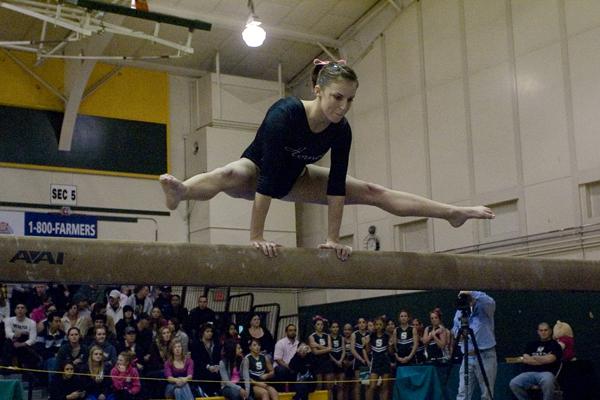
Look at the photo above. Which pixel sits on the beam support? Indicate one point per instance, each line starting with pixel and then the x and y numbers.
pixel 31 259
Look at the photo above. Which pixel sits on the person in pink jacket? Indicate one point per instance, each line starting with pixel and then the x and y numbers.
pixel 125 377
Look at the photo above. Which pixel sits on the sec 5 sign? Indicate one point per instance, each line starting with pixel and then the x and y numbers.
pixel 65 195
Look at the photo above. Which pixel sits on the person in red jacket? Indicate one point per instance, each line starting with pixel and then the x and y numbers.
pixel 125 377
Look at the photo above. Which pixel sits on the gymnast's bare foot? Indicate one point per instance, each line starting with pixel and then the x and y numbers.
pixel 460 215
pixel 174 190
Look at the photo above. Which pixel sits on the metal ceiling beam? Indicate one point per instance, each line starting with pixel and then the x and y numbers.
pixel 233 24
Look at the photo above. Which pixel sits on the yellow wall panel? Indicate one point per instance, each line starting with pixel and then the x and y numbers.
pixel 18 88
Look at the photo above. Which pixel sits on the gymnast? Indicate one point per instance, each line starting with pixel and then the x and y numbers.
pixel 279 164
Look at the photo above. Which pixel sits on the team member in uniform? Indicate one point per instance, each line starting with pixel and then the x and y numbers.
pixel 280 164
pixel 379 347
pixel 337 356
pixel 420 356
pixel 357 347
pixel 348 362
pixel 259 369
pixel 436 338
pixel 405 340
pixel 320 345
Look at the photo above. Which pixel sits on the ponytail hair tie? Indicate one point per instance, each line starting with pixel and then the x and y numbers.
pixel 316 61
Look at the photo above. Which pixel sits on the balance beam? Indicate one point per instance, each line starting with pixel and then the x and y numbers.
pixel 31 259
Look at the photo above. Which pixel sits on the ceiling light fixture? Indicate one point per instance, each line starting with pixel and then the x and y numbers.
pixel 254 35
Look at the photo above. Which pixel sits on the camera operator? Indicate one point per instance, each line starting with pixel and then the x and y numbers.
pixel 479 309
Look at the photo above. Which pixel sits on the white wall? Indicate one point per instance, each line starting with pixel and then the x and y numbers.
pixel 470 102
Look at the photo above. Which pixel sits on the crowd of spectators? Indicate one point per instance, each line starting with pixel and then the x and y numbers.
pixel 122 343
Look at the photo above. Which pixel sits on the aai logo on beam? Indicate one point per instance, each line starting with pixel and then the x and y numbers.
pixel 38 257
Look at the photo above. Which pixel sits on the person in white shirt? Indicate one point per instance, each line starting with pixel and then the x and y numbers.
pixel 285 349
pixel 114 308
pixel 23 333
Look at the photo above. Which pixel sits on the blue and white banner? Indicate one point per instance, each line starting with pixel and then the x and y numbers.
pixel 76 226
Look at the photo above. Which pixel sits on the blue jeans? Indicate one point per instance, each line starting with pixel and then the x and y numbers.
pixel 520 383
pixel 179 392
pixel 490 365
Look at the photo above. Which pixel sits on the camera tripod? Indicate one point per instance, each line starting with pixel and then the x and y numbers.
pixel 465 332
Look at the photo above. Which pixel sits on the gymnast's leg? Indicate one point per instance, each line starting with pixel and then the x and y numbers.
pixel 237 179
pixel 312 188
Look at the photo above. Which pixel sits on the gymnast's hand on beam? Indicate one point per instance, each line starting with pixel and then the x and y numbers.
pixel 268 247
pixel 342 251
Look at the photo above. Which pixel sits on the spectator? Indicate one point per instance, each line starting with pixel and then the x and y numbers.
pixel 231 333
pixel 23 333
pixel 179 370
pixel 255 330
pixel 348 362
pixel 73 351
pixel 49 341
pixel 144 334
pixel 100 341
pixel 163 299
pixel 259 370
pixel 357 346
pixel 200 316
pixel 114 308
pixel 234 385
pixel 96 373
pixel 157 320
pixel 90 294
pixel 129 344
pixel 320 347
pixel 155 362
pixel 542 360
pixel 74 319
pixel 378 346
pixel 481 320
pixel 303 363
pixel 285 349
pixel 68 385
pixel 127 320
pixel 420 356
pixel 125 377
pixel 337 356
pixel 6 350
pixel 99 321
pixel 178 311
pixel 4 303
pixel 405 340
pixel 436 338
pixel 178 334
pixel 140 301
pixel 206 353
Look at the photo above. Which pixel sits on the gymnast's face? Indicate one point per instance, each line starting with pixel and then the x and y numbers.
pixel 336 98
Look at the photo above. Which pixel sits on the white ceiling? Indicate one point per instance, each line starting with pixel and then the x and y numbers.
pixel 293 29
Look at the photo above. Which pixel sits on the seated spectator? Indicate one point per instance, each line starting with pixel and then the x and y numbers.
pixel 47 309
pixel 260 370
pixel 4 303
pixel 155 363
pixel 162 299
pixel 542 362
pixel 99 321
pixel 23 333
pixel 49 342
pixel 144 334
pixel 285 349
pixel 157 321
pixel 140 301
pixel 178 334
pixel 179 370
pixel 96 376
pixel 256 330
pixel 114 308
pixel 234 386
pixel 231 333
pixel 303 364
pixel 110 353
pixel 206 354
pixel 68 386
pixel 199 316
pixel 88 295
pixel 178 311
pixel 73 351
pixel 74 319
pixel 99 312
pixel 563 334
pixel 129 344
pixel 125 377
pixel 127 320
pixel 37 296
